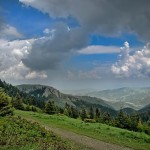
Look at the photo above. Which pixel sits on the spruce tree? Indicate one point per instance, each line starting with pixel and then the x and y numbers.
pixel 17 102
pixel 120 119
pixel 5 108
pixel 50 107
pixel 97 113
pixel 106 118
pixel 91 113
pixel 83 114
pixel 74 112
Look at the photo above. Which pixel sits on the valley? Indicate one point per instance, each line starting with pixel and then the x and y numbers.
pixel 87 121
pixel 89 135
pixel 74 75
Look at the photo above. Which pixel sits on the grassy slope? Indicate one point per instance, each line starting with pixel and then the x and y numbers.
pixel 139 141
pixel 19 134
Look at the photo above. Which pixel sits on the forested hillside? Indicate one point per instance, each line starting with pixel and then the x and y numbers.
pixel 84 108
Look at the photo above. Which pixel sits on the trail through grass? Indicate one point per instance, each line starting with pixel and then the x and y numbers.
pixel 135 140
pixel 19 134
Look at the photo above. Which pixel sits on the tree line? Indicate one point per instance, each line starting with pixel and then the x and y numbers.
pixel 91 115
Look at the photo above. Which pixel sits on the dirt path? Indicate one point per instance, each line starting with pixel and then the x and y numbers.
pixel 85 141
pixel 81 140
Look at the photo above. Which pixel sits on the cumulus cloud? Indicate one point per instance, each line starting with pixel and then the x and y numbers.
pixel 133 65
pixel 7 31
pixel 11 66
pixel 98 49
pixel 105 17
pixel 48 52
pixel 10 32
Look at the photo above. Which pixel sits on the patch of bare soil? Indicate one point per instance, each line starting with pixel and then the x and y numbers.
pixel 87 142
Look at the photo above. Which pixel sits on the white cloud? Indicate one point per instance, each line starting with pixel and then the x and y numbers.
pixel 98 49
pixel 46 31
pixel 11 66
pixel 135 65
pixel 34 75
pixel 9 32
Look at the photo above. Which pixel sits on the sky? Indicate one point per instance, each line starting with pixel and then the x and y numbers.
pixel 88 44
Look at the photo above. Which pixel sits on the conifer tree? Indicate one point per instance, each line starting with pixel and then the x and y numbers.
pixel 91 113
pixel 74 112
pixel 5 108
pixel 83 114
pixel 97 113
pixel 120 119
pixel 50 107
pixel 135 120
pixel 17 102
pixel 106 117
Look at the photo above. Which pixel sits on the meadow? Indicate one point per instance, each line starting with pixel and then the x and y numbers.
pixel 17 133
pixel 135 140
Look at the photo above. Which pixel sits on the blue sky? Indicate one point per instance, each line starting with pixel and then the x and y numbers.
pixel 78 46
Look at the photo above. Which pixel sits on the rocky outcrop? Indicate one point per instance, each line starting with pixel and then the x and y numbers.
pixel 45 91
pixel 51 91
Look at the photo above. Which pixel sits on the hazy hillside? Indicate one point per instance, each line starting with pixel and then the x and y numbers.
pixel 135 98
pixel 47 92
pixel 145 109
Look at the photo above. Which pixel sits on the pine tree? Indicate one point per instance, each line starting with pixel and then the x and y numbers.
pixel 97 113
pixel 5 108
pixel 135 120
pixel 106 118
pixel 83 114
pixel 74 112
pixel 91 113
pixel 50 107
pixel 17 102
pixel 120 119
pixel 66 112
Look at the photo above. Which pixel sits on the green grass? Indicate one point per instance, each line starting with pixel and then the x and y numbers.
pixel 135 140
pixel 19 134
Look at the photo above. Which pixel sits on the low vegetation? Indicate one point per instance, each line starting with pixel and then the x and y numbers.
pixel 123 129
pixel 19 134
pixel 135 140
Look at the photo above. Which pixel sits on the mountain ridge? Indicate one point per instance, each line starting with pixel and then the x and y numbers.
pixel 48 92
pixel 135 98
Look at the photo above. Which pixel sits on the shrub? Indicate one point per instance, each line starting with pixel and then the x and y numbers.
pixel 89 120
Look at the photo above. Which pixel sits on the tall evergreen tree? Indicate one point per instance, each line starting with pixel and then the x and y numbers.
pixel 83 114
pixel 74 112
pixel 120 119
pixel 5 108
pixel 91 113
pixel 17 102
pixel 50 107
pixel 135 120
pixel 106 118
pixel 97 113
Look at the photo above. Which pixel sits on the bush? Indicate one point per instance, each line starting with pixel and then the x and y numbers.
pixel 89 120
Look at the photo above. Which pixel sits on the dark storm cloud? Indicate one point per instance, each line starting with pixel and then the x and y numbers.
pixel 107 17
pixel 48 52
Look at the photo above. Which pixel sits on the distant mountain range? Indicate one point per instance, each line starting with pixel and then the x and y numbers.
pixel 50 93
pixel 145 109
pixel 129 98
pixel 135 98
